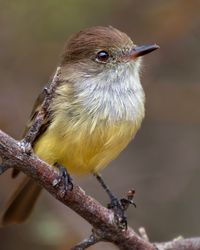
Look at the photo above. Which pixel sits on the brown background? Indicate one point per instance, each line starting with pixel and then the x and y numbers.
pixel 163 161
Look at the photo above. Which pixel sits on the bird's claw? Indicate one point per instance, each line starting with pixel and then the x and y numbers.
pixel 65 178
pixel 117 206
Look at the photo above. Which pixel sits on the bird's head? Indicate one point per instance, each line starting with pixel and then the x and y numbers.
pixel 98 49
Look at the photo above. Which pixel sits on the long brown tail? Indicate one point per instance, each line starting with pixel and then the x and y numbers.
pixel 21 203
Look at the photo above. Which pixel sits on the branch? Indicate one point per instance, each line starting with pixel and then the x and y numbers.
pixel 180 244
pixel 101 218
pixel 93 239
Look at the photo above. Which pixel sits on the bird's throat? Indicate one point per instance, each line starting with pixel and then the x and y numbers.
pixel 114 95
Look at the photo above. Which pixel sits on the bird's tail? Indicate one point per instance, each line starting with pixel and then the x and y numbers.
pixel 21 203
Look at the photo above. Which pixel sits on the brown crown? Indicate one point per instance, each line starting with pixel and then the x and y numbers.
pixel 87 42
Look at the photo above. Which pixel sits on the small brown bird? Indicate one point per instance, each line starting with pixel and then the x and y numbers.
pixel 96 111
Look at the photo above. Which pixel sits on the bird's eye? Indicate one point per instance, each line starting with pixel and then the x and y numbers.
pixel 102 56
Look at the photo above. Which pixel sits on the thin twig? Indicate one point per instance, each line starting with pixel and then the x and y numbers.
pixel 143 233
pixel 180 244
pixel 91 240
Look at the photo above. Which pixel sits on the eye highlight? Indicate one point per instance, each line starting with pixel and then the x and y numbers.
pixel 102 56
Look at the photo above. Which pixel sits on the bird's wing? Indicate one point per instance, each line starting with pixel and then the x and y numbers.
pixel 46 122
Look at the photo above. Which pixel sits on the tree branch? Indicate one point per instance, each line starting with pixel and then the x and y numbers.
pixel 91 240
pixel 180 244
pixel 101 218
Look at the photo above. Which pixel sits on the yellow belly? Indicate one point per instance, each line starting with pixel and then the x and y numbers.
pixel 81 150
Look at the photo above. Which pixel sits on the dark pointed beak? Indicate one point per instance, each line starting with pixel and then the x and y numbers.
pixel 142 50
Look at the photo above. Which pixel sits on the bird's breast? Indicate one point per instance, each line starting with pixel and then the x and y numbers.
pixel 82 149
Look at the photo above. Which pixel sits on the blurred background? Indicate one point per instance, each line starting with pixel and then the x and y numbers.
pixel 162 163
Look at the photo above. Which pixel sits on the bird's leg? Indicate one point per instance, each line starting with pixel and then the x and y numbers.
pixel 63 176
pixel 119 206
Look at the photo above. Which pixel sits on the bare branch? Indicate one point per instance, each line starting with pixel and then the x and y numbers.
pixel 91 240
pixel 143 233
pixel 180 244
pixel 98 216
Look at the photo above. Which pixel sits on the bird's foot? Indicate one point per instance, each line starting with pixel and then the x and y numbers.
pixel 63 177
pixel 119 212
pixel 119 207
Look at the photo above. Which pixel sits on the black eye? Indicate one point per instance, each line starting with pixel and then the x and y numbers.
pixel 102 56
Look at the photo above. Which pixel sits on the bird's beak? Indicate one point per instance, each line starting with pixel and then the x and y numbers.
pixel 138 51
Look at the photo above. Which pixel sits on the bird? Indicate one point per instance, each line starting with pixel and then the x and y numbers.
pixel 96 110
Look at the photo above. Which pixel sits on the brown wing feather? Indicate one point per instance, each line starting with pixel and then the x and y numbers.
pixel 35 110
